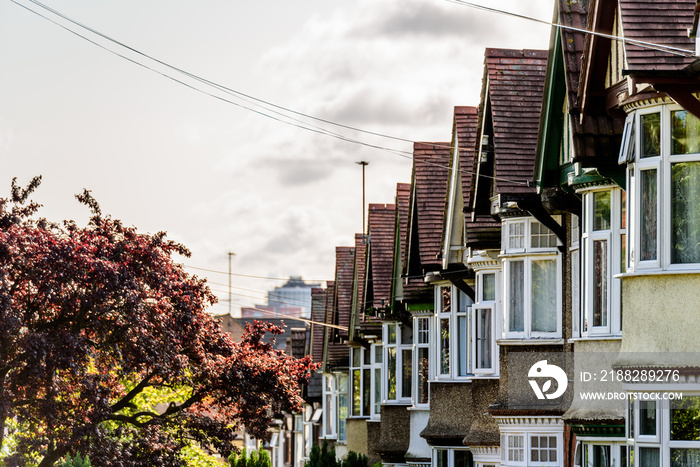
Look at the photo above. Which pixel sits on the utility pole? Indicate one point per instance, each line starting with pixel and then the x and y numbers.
pixel 230 254
pixel 363 164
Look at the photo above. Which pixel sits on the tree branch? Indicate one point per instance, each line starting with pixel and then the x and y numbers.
pixel 126 400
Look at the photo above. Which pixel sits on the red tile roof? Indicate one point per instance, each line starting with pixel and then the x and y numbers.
pixel 341 305
pixel 381 223
pixel 318 312
pixel 403 197
pixel 597 138
pixel 430 176
pixel 515 86
pixel 466 121
pixel 361 248
pixel 663 22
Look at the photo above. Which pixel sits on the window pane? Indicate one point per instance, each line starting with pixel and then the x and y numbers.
pixel 601 456
pixel 391 373
pixel 462 345
pixel 648 214
pixel 685 457
pixel 516 235
pixel 406 366
pixel 445 300
pixel 442 457
pixel 366 390
pixel 330 409
pixel 647 418
pixel 342 414
pixel 406 335
pixel 356 392
pixel 483 338
pixel 423 375
pixel 541 236
pixel 685 212
pixel 685 419
pixel 601 205
pixel 444 346
pixel 544 296
pixel 377 390
pixel 391 334
pixel 600 283
pixel 685 132
pixel 489 285
pixel 516 303
pixel 650 136
pixel 423 331
pixel 649 457
pixel 463 459
pixel 378 353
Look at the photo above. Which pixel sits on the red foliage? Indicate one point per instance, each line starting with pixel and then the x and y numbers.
pixel 83 311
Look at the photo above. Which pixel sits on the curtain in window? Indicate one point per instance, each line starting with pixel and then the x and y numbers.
pixel 516 308
pixel 685 212
pixel 544 296
pixel 648 215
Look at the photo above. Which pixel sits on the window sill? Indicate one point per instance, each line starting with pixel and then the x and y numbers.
pixel 420 408
pixel 657 272
pixel 573 340
pixel 532 341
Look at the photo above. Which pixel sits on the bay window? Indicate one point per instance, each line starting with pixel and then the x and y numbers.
pixel 599 454
pixel 532 270
pixel 365 371
pixel 603 238
pixel 664 182
pixel 665 432
pixel 485 324
pixel 421 324
pixel 531 449
pixel 452 457
pixel 335 405
pixel 452 333
pixel 398 358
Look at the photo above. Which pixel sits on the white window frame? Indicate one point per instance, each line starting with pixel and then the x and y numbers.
pixel 585 449
pixel 485 303
pixel 370 360
pixel 528 255
pixel 575 275
pixel 526 444
pixel 330 406
pixel 333 393
pixel 422 338
pixel 459 343
pixel 663 165
pixel 662 441
pixel 614 240
pixel 450 454
pixel 399 347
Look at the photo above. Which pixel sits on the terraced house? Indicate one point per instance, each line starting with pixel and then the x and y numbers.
pixel 548 251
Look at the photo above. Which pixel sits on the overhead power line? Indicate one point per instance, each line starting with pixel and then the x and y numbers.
pixel 644 44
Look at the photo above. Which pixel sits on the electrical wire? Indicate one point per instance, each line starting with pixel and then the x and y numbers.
pixel 299 124
pixel 644 44
pixel 243 96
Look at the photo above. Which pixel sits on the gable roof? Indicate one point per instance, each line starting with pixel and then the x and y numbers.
pixel 664 22
pixel 466 121
pixel 512 94
pixel 318 311
pixel 460 176
pixel 380 227
pixel 427 206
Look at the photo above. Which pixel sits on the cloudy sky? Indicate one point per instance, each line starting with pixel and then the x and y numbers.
pixel 217 177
